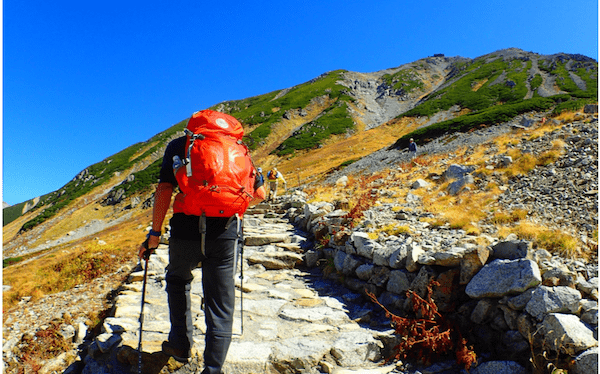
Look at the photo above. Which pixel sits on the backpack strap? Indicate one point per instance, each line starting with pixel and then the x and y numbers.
pixel 193 137
pixel 203 234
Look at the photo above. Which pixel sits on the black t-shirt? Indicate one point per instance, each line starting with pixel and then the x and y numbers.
pixel 184 226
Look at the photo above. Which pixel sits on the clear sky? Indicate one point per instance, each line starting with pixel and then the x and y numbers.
pixel 83 80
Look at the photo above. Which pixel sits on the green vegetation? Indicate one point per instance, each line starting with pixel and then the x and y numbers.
pixel 346 163
pixel 571 105
pixel 11 213
pixel 406 80
pixel 263 111
pixel 11 260
pixel 566 83
pixel 535 83
pixel 334 121
pixel 490 116
pixel 143 179
pixel 504 82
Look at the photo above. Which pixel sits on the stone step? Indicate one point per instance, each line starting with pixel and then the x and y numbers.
pixel 280 318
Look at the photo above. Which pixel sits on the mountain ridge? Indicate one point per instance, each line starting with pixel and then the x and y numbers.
pixel 343 103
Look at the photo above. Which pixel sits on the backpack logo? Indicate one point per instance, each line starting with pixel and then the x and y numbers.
pixel 218 180
pixel 222 123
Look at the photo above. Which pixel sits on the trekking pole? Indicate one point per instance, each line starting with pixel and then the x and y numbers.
pixel 240 235
pixel 146 257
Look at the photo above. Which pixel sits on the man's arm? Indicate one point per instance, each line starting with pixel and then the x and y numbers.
pixel 162 203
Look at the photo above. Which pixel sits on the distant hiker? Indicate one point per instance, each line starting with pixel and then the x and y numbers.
pixel 205 227
pixel 260 175
pixel 274 176
pixel 412 148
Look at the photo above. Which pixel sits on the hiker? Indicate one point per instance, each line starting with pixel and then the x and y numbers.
pixel 274 176
pixel 412 148
pixel 201 232
pixel 260 175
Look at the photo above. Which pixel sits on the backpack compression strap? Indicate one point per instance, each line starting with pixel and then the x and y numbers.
pixel 193 138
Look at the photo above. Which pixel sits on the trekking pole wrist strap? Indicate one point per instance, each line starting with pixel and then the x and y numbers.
pixel 154 233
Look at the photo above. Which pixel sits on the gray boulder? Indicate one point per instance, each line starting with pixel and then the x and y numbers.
pixel 457 172
pixel 364 245
pixel 567 334
pixel 499 367
pixel 398 282
pixel 512 250
pixel 504 277
pixel 558 299
pixel 586 362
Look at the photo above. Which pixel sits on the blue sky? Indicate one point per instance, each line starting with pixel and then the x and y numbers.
pixel 83 80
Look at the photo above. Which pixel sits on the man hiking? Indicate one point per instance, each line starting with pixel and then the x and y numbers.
pixel 205 227
pixel 274 176
pixel 412 148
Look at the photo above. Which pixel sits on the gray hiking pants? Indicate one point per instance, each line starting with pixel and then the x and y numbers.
pixel 218 269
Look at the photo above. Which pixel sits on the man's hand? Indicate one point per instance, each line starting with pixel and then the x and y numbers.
pixel 148 247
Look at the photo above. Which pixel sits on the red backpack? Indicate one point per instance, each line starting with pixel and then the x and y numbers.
pixel 218 177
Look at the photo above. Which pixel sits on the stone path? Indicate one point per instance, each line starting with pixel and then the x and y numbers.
pixel 291 317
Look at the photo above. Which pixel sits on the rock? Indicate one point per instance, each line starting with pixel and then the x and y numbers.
pixel 558 277
pixel 449 258
pixel 351 263
pixel 342 181
pixel 398 258
pixel 264 239
pixel 398 282
pixel 515 343
pixel 312 256
pixel 499 367
pixel 587 287
pixel 107 341
pixel 483 312
pixel 54 364
pixel 565 333
pixel 471 262
pixel 338 260
pixel 382 256
pixel 419 183
pixel 458 185
pixel 586 362
pixel 353 348
pixel 504 277
pixel 455 171
pixel 589 312
pixel 276 260
pixel 412 258
pixel 365 271
pixel 67 332
pixel 559 299
pixel 520 301
pixel 512 250
pixel 364 245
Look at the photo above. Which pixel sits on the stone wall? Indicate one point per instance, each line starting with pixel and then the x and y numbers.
pixel 508 299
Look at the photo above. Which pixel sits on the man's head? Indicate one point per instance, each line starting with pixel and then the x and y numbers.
pixel 411 140
pixel 259 170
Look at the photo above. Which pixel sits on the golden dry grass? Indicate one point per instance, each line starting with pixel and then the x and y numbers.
pixel 466 211
pixel 479 84
pixel 312 165
pixel 469 209
pixel 64 266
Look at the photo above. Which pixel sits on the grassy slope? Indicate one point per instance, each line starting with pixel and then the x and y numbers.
pixel 477 88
